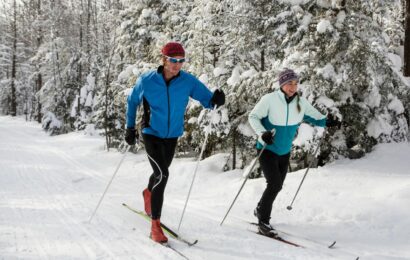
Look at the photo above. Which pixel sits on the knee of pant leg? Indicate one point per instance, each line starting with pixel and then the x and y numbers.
pixel 274 188
pixel 161 180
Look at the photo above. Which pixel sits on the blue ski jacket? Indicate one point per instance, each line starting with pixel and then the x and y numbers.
pixel 165 104
pixel 273 111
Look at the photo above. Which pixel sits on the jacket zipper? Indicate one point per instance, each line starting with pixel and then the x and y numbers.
pixel 287 114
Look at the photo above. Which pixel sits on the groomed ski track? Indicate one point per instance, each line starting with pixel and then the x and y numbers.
pixel 49 187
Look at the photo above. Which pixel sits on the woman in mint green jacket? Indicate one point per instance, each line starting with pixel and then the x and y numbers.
pixel 282 110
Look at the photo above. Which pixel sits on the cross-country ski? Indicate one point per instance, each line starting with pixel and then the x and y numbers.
pixel 169 231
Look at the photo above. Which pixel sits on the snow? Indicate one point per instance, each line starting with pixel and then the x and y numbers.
pixel 396 105
pixel 90 82
pixel 341 16
pixel 325 101
pixel 378 126
pixel 89 100
pixel 295 2
pixel 248 73
pixel 128 72
pixel 246 130
pixel 73 112
pixel 396 60
pixel 373 98
pixel 305 21
pixel 235 77
pixel 51 185
pixel 328 71
pixel 218 71
pixel 51 120
pixel 324 26
pixel 305 134
pixel 204 78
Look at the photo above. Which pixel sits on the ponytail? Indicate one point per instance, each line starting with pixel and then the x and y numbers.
pixel 298 103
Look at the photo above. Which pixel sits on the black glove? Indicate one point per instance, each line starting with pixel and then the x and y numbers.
pixel 131 136
pixel 268 137
pixel 333 121
pixel 218 98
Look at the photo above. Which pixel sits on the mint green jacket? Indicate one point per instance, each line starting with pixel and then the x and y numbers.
pixel 272 111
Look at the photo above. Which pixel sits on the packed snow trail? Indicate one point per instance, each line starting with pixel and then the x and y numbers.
pixel 49 187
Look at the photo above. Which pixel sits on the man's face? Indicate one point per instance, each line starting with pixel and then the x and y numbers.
pixel 172 65
pixel 290 88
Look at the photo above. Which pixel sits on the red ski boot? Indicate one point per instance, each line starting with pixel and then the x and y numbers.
pixel 147 201
pixel 156 232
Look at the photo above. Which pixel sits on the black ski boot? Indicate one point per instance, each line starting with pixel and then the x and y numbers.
pixel 263 226
pixel 266 229
pixel 256 213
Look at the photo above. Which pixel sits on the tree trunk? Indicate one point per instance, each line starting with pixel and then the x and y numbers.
pixel 13 101
pixel 88 39
pixel 263 60
pixel 39 81
pixel 80 67
pixel 234 136
pixel 406 71
pixel 107 98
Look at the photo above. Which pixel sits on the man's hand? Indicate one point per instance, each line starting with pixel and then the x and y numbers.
pixel 218 99
pixel 131 136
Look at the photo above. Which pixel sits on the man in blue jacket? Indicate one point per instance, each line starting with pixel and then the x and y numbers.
pixel 282 110
pixel 164 93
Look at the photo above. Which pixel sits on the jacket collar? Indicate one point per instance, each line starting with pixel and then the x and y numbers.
pixel 288 99
pixel 160 70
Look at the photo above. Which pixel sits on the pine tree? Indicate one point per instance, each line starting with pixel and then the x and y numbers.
pixel 407 41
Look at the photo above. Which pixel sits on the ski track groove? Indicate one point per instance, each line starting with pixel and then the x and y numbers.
pixel 51 201
pixel 69 221
pixel 45 186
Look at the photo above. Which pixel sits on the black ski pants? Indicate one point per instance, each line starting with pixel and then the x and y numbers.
pixel 160 154
pixel 274 169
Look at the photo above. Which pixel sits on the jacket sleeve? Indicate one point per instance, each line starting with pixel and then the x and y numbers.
pixel 260 111
pixel 312 115
pixel 201 93
pixel 133 101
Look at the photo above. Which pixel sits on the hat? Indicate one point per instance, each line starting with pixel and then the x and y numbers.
pixel 173 49
pixel 287 75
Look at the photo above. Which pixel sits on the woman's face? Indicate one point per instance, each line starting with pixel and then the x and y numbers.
pixel 290 88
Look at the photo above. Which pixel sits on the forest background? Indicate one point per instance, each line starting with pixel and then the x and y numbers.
pixel 70 65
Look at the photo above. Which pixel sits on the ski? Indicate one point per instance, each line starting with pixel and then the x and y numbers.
pixel 331 245
pixel 280 239
pixel 175 250
pixel 166 229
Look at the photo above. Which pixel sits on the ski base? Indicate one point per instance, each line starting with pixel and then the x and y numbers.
pixel 164 227
pixel 331 245
pixel 280 239
pixel 175 250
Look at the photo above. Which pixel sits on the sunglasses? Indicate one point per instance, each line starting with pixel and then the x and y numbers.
pixel 175 60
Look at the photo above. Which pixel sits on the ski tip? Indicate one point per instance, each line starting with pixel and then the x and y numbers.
pixel 124 204
pixel 332 245
pixel 193 243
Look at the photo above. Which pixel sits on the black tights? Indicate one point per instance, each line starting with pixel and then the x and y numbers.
pixel 274 169
pixel 160 154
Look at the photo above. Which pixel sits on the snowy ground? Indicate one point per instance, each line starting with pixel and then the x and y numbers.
pixel 49 187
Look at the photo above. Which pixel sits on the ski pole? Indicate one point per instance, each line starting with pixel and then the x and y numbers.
pixel 109 183
pixel 273 131
pixel 307 170
pixel 243 183
pixel 195 171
